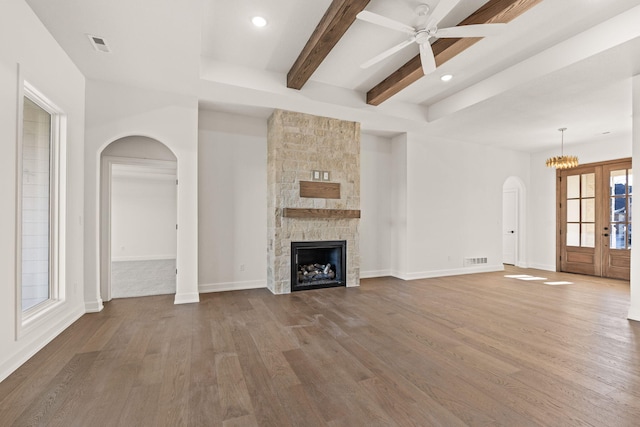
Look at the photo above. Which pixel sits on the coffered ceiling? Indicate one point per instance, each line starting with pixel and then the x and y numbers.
pixel 562 63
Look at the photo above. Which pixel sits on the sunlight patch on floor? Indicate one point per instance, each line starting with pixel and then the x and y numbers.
pixel 525 277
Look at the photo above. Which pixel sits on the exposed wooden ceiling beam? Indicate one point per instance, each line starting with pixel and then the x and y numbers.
pixel 493 12
pixel 335 22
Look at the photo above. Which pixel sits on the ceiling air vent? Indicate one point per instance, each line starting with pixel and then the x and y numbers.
pixel 99 44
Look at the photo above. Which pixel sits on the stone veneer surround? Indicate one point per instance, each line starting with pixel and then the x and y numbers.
pixel 298 144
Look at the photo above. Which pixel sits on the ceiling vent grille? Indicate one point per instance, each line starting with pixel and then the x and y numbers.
pixel 99 44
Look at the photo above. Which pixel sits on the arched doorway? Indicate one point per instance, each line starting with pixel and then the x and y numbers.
pixel 138 218
pixel 514 222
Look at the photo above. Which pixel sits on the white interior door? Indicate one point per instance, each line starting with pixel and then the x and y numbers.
pixel 509 226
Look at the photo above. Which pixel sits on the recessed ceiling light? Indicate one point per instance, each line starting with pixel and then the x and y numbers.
pixel 259 21
pixel 446 77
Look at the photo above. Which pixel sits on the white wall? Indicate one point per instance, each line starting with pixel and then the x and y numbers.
pixel 232 198
pixel 542 197
pixel 232 211
pixel 375 206
pixel 46 66
pixel 454 204
pixel 143 214
pixel 115 111
pixel 399 206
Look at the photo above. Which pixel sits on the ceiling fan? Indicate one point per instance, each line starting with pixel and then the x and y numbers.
pixel 426 29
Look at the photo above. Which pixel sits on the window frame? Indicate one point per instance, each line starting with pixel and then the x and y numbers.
pixel 38 315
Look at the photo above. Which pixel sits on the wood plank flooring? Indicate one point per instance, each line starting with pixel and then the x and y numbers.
pixel 474 350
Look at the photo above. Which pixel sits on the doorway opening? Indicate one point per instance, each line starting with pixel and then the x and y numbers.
pixel 138 217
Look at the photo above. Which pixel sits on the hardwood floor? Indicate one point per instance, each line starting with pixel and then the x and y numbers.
pixel 475 350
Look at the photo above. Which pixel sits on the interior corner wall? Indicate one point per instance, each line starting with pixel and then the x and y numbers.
pixel 454 193
pixel 27 44
pixel 114 111
pixel 399 208
pixel 232 208
pixel 376 206
pixel 542 196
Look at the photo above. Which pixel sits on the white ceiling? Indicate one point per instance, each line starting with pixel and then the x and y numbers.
pixel 564 63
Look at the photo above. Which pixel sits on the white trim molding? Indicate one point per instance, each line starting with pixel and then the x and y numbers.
pixel 450 272
pixel 375 273
pixel 187 298
pixel 545 267
pixel 232 286
pixel 93 306
pixel 634 314
pixel 143 258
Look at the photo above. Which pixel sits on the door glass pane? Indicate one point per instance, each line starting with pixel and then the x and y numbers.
pixel 573 234
pixel 573 210
pixel 618 236
pixel 629 237
pixel 588 185
pixel 618 209
pixel 588 210
pixel 588 236
pixel 618 182
pixel 36 183
pixel 630 180
pixel 573 186
pixel 629 213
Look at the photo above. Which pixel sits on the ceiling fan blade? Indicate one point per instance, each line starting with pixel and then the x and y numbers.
pixel 387 53
pixel 442 9
pixel 374 18
pixel 427 59
pixel 478 30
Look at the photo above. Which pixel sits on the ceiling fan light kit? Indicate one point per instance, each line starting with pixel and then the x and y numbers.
pixel 562 161
pixel 423 33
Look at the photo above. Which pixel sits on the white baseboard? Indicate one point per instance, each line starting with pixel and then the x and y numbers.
pixel 634 314
pixel 38 341
pixel 187 298
pixel 143 258
pixel 231 286
pixel 450 272
pixel 93 306
pixel 374 273
pixel 545 267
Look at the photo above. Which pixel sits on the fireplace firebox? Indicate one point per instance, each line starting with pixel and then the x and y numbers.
pixel 321 264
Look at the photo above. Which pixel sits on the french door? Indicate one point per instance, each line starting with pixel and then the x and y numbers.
pixel 594 219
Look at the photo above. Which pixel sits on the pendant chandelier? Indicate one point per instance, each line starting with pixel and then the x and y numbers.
pixel 562 161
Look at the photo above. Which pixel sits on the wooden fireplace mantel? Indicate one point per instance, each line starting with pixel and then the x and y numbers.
pixel 320 213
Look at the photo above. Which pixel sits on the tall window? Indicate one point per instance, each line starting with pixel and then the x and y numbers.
pixel 39 197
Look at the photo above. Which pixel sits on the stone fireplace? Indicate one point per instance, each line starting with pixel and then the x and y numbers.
pixel 313 179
